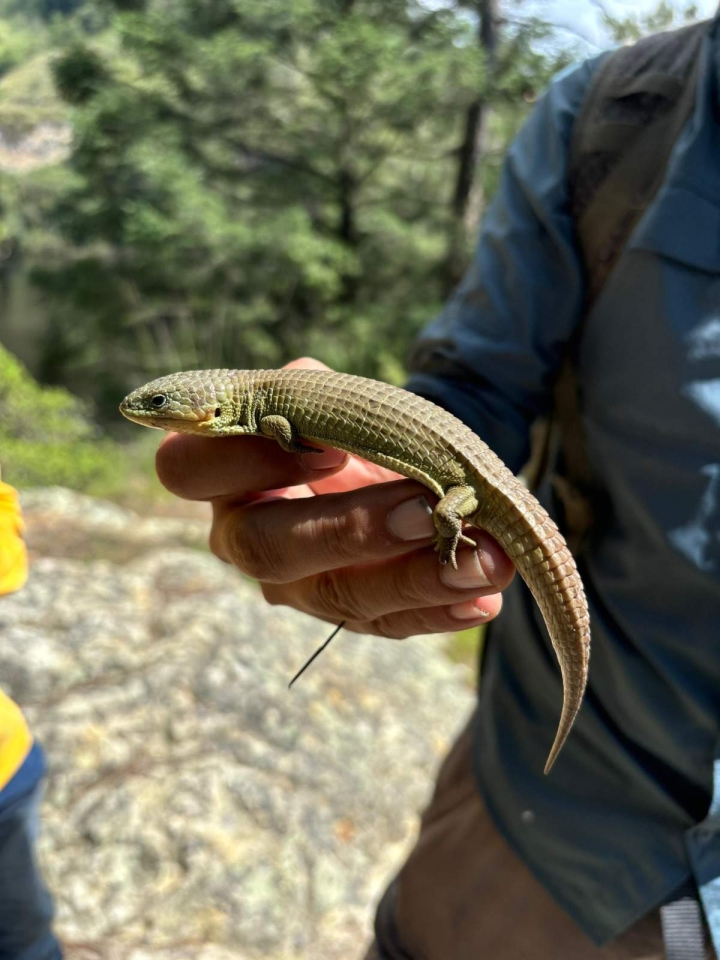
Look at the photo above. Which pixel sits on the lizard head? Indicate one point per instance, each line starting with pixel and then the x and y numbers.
pixel 181 402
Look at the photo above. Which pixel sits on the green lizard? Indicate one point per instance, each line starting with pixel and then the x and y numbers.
pixel 408 434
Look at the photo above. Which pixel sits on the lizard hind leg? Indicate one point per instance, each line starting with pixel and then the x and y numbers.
pixel 280 429
pixel 457 504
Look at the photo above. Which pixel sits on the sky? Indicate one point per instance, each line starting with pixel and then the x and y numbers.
pixel 583 16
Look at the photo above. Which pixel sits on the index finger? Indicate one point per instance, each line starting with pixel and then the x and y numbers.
pixel 203 468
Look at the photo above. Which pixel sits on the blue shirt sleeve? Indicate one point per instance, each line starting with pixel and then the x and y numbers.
pixel 491 355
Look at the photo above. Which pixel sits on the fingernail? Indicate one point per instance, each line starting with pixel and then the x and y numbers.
pixel 469 574
pixel 468 611
pixel 324 460
pixel 411 520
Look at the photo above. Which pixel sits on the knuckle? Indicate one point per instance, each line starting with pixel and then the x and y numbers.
pixel 250 549
pixel 343 534
pixel 334 596
pixel 411 591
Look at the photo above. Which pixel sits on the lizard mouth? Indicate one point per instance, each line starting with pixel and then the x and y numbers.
pixel 141 417
pixel 178 424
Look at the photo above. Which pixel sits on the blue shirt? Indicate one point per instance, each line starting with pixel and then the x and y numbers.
pixel 624 820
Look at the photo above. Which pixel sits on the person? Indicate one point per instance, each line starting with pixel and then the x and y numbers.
pixel 611 855
pixel 25 904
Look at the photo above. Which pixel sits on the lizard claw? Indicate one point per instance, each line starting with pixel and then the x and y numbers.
pixel 447 548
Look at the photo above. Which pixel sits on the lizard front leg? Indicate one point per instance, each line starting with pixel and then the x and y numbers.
pixel 457 504
pixel 280 429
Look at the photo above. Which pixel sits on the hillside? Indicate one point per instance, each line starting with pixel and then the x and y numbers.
pixel 34 123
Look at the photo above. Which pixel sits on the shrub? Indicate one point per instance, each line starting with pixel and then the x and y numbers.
pixel 46 437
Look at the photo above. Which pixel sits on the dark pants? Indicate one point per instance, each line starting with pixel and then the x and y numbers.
pixel 463 894
pixel 25 905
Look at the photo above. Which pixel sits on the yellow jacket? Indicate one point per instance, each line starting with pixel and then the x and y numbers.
pixel 15 738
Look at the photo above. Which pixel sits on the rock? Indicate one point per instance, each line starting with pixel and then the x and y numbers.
pixel 196 808
pixel 47 143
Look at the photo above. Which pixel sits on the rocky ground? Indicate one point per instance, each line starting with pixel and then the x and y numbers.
pixel 195 807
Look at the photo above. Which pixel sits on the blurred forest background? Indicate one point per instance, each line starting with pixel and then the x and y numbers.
pixel 191 183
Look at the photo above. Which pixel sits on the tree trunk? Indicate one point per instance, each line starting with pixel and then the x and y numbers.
pixel 347 230
pixel 468 154
pixel 347 188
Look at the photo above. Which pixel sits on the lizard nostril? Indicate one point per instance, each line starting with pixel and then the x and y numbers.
pixel 218 412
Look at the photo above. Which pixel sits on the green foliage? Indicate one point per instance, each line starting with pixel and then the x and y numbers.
pixel 28 98
pixel 128 6
pixel 41 9
pixel 251 180
pixel 465 647
pixel 26 205
pixel 664 17
pixel 258 180
pixel 46 437
pixel 265 178
pixel 17 43
pixel 79 75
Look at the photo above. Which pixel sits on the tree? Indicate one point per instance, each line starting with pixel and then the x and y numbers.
pixel 261 178
pixel 43 9
pixel 470 148
pixel 633 26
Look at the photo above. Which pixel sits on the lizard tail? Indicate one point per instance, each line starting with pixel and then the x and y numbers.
pixel 542 558
pixel 572 700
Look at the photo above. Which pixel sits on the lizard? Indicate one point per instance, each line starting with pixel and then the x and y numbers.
pixel 412 436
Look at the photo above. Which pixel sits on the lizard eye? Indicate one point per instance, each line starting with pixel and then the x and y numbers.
pixel 159 401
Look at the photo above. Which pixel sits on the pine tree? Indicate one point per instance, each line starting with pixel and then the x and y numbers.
pixel 263 178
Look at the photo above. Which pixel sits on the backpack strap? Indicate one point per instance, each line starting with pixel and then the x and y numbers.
pixel 637 106
pixel 683 930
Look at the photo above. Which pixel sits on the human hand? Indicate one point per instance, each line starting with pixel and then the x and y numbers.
pixel 334 536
